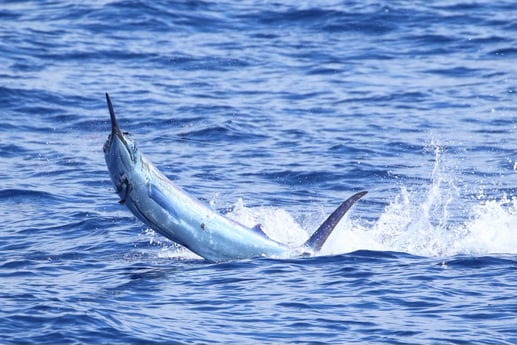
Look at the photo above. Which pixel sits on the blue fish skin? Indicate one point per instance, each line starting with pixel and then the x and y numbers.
pixel 167 209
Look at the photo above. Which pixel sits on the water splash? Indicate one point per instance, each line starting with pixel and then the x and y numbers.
pixel 493 229
pixel 277 223
pixel 429 222
pixel 432 220
pixel 406 226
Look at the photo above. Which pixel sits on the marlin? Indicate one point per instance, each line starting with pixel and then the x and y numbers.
pixel 170 211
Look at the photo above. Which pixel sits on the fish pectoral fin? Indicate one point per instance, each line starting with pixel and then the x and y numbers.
pixel 316 241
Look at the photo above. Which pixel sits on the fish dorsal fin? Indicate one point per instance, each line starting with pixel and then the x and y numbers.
pixel 259 230
pixel 318 238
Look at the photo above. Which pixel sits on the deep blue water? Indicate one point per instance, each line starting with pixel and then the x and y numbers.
pixel 273 113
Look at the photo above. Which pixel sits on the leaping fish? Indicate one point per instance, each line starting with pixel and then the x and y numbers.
pixel 167 209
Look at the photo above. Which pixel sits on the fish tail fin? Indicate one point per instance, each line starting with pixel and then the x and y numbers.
pixel 318 238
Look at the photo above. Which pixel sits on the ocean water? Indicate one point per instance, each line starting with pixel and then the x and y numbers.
pixel 273 113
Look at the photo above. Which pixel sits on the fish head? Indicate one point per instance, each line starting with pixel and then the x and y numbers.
pixel 121 155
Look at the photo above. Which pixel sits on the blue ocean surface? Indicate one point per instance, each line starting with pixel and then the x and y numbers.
pixel 272 113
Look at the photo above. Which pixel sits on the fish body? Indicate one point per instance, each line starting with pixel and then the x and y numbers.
pixel 166 208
